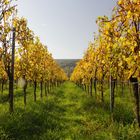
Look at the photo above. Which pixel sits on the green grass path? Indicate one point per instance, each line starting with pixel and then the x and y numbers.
pixel 65 114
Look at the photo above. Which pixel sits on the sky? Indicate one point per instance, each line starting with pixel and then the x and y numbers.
pixel 65 26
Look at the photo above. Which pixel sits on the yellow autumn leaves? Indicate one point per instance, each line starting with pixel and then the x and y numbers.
pixel 32 59
pixel 116 50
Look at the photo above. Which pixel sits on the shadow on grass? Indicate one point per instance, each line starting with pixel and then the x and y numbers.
pixel 47 119
pixel 4 98
pixel 122 114
pixel 37 121
pixel 17 94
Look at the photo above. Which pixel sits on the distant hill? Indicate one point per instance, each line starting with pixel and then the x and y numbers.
pixel 67 64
